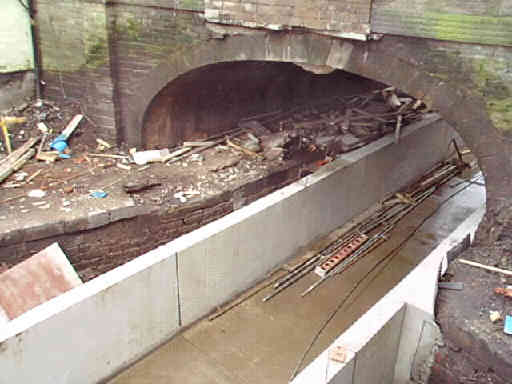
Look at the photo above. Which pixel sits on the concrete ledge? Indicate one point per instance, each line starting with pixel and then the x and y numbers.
pixel 372 340
pixel 111 321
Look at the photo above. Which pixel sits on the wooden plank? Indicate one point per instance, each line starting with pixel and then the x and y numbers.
pixel 472 21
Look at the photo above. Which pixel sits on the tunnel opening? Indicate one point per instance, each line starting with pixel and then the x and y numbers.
pixel 211 100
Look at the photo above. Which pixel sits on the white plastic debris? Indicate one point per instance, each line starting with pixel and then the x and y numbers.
pixel 20 176
pixel 37 193
pixel 144 157
pixel 180 196
pixel 494 316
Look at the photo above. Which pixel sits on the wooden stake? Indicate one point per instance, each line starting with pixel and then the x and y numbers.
pixel 398 128
pixel 34 175
pixel 486 267
pixel 17 158
pixel 7 140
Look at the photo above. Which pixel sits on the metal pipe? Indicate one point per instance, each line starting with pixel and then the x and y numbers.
pixel 35 51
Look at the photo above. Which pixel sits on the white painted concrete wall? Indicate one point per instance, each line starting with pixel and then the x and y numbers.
pixel 382 344
pixel 92 331
pixel 95 329
pixel 15 37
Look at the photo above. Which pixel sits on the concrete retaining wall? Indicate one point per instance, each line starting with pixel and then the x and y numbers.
pixel 94 330
pixel 393 341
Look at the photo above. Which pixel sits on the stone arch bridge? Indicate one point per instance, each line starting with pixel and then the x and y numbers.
pixel 117 56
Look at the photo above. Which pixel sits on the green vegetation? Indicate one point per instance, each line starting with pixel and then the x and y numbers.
pixel 496 90
pixel 470 28
pixel 96 52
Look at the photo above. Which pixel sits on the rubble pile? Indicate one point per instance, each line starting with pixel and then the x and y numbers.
pixel 53 155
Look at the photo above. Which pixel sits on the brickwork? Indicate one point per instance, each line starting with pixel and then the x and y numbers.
pixel 75 58
pixel 106 246
pixel 143 38
pixel 347 18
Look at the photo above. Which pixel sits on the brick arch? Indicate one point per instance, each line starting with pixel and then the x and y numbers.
pixel 402 62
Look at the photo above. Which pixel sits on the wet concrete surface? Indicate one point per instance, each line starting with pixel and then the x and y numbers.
pixel 260 342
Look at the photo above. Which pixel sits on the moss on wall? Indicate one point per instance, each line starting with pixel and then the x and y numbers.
pixel 73 35
pixel 177 32
pixel 460 22
pixel 489 75
pixel 470 28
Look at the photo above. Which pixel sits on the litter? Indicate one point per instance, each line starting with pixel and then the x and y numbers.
pixel 48 157
pixel 99 194
pixel 455 286
pixel 33 176
pixel 507 291
pixel 494 316
pixel 197 143
pixel 20 176
pixel 108 156
pixel 36 193
pixel 123 166
pixel 60 143
pixel 180 196
pixel 338 354
pixel 508 325
pixel 155 155
pixel 102 144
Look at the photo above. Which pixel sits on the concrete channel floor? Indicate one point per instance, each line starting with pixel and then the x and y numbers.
pixel 259 342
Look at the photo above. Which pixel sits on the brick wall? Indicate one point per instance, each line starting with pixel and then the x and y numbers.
pixel 96 53
pixel 96 251
pixel 75 57
pixel 338 18
pixel 143 38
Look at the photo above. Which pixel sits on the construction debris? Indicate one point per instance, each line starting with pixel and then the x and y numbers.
pixel 102 144
pixel 338 354
pixel 367 235
pixel 454 286
pixel 36 193
pixel 495 316
pixel 60 143
pixel 139 186
pixel 155 155
pixel 4 124
pixel 17 159
pixel 36 280
pixel 486 267
pixel 507 291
